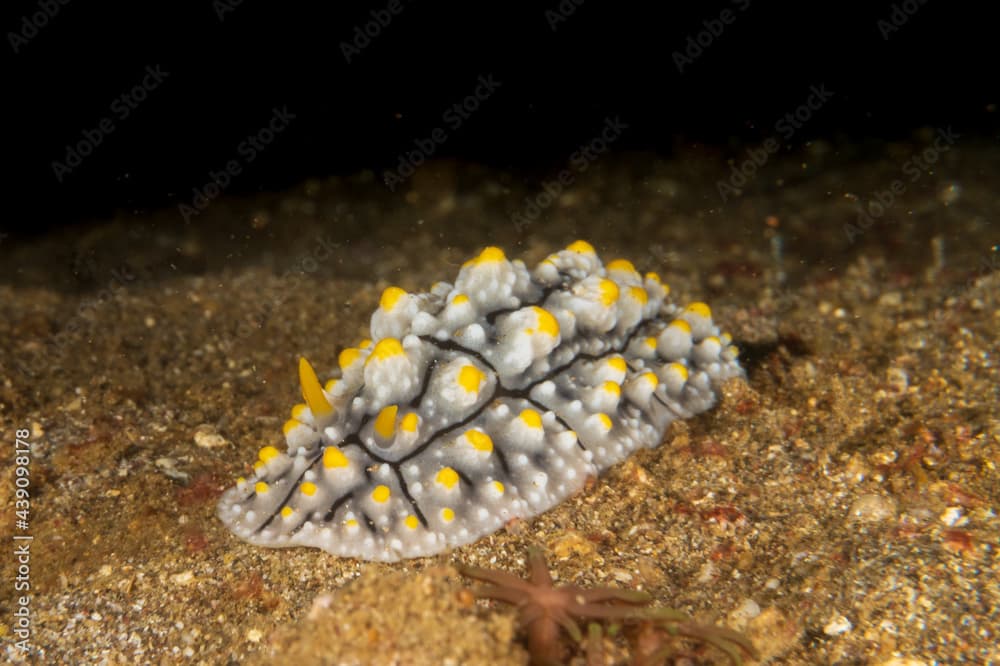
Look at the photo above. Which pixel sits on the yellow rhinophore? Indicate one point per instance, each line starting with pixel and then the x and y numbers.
pixel 312 391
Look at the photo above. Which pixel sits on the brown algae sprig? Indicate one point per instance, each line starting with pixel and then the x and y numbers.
pixel 545 608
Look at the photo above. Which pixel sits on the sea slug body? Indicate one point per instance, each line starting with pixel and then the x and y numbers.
pixel 490 399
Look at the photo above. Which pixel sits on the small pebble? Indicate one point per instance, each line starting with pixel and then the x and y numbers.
pixel 254 635
pixel 837 625
pixel 748 610
pixel 183 578
pixel 207 437
pixel 952 516
pixel 872 508
pixel 892 299
pixel 169 467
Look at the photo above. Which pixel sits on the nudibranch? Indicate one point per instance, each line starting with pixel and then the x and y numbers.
pixel 481 401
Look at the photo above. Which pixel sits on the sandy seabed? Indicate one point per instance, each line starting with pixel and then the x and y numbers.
pixel 839 506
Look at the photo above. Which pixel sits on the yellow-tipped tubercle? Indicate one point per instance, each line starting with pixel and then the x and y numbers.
pixel 470 377
pixel 385 349
pixel 700 309
pixel 609 292
pixel 581 246
pixel 390 297
pixel 385 422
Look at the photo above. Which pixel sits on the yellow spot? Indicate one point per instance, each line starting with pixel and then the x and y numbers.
pixel 298 410
pixel 605 421
pixel 390 297
pixel 259 465
pixel 381 494
pixel 350 523
pixel 385 422
pixel 409 423
pixel 334 457
pixel 287 511
pixel 490 254
pixel 460 299
pixel 714 339
pixel 447 515
pixel 638 294
pixel 681 324
pixel 680 369
pixel 612 388
pixel 621 265
pixel 411 522
pixel 470 377
pixel 480 440
pixel 290 425
pixel 650 342
pixel 386 348
pixel 312 392
pixel 348 357
pixel 581 246
pixel 609 292
pixel 617 363
pixel 654 277
pixel 651 378
pixel 268 453
pixel 498 487
pixel 365 342
pixel 531 418
pixel 240 480
pixel 735 350
pixel 308 488
pixel 447 477
pixel 726 338
pixel 546 322
pixel 260 488
pixel 699 309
